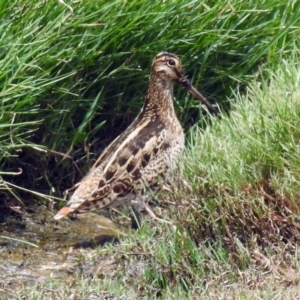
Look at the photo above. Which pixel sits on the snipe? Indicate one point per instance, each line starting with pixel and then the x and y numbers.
pixel 144 152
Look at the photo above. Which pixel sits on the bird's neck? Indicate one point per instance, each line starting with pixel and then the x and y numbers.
pixel 159 99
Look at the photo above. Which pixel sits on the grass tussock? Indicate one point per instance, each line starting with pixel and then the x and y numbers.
pixel 245 168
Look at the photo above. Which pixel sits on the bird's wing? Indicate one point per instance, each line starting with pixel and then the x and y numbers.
pixel 115 144
pixel 106 153
pixel 122 172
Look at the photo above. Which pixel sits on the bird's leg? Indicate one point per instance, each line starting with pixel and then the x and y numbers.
pixel 142 205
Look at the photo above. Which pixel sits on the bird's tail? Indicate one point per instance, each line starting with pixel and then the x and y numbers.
pixel 62 213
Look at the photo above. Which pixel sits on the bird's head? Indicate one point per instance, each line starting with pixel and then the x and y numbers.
pixel 167 66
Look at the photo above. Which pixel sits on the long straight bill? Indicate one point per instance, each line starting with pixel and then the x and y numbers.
pixel 187 84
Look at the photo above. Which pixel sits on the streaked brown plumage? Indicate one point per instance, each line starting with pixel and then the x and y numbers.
pixel 146 150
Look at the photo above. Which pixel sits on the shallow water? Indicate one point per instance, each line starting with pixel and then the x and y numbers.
pixel 60 248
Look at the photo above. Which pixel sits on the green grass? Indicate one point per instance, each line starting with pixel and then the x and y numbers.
pixel 71 80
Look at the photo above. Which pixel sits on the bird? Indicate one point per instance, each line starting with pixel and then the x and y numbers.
pixel 145 152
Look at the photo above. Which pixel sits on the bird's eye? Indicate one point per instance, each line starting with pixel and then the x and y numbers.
pixel 171 62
